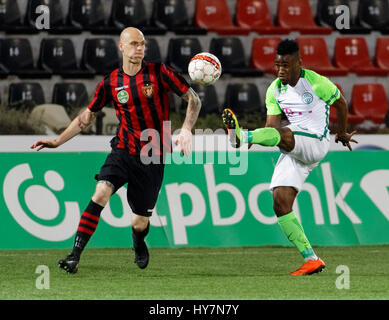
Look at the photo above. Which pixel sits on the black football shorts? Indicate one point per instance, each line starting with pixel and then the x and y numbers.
pixel 144 180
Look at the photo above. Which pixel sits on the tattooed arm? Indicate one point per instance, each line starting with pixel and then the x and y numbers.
pixel 192 112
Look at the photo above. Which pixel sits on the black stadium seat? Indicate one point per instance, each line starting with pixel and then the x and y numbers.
pixel 180 51
pixel 243 98
pixel 132 13
pixel 172 15
pixel 232 57
pixel 58 56
pixel 25 95
pixel 326 16
pixel 152 53
pixel 70 95
pixel 100 55
pixel 374 15
pixel 16 57
pixel 89 15
pixel 208 97
pixel 11 20
pixel 57 19
pixel 3 71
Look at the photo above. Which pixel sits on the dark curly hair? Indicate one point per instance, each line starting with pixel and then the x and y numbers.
pixel 287 46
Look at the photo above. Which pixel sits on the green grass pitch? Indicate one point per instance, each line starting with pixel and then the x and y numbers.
pixel 250 273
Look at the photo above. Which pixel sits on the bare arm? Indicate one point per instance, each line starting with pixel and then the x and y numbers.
pixel 192 112
pixel 193 109
pixel 342 135
pixel 82 121
pixel 273 121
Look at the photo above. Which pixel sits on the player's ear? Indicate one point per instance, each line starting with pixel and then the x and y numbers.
pixel 120 46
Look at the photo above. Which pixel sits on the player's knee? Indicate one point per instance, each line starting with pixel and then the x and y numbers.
pixel 282 204
pixel 102 194
pixel 287 139
pixel 139 223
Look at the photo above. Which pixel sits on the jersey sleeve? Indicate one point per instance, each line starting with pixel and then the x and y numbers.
pixel 100 98
pixel 272 106
pixel 173 80
pixel 323 87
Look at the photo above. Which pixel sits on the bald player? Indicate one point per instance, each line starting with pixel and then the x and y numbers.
pixel 139 91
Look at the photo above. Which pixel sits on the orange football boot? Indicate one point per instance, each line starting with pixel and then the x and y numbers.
pixel 309 267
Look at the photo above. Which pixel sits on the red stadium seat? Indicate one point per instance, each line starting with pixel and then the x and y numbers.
pixel 296 15
pixel 370 102
pixel 255 15
pixel 214 15
pixel 352 53
pixel 382 53
pixel 263 53
pixel 314 54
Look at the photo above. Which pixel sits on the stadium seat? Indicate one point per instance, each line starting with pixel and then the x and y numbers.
pixel 296 15
pixel 132 13
pixel 231 54
pixel 263 53
pixel 57 55
pixel 70 95
pixel 16 58
pixel 382 53
pixel 214 16
pixel 369 101
pixel 100 55
pixel 11 20
pixel 255 15
pixel 89 15
pixel 152 53
pixel 314 53
pixel 25 95
pixel 180 51
pixel 208 97
pixel 352 53
pixel 374 15
pixel 172 15
pixel 57 19
pixel 326 16
pixel 243 98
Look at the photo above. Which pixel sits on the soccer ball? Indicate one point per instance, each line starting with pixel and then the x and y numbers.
pixel 204 68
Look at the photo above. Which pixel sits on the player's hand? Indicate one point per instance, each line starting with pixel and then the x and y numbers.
pixel 40 144
pixel 184 139
pixel 345 138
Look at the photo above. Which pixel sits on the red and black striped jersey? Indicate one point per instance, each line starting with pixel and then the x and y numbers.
pixel 142 103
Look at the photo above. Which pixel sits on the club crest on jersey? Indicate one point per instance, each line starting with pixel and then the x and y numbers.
pixel 148 90
pixel 307 98
pixel 122 96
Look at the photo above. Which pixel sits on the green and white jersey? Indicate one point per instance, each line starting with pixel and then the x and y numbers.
pixel 306 105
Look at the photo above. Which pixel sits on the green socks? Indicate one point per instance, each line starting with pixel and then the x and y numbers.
pixel 268 137
pixel 295 234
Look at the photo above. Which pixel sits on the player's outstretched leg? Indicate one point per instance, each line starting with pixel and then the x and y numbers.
pixel 268 137
pixel 231 123
pixel 141 252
